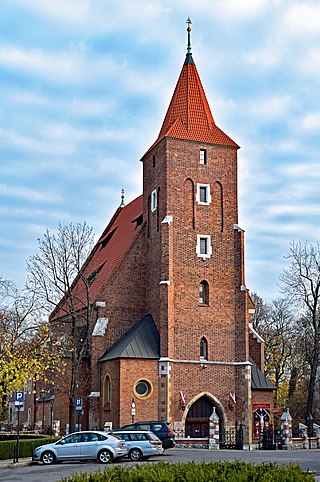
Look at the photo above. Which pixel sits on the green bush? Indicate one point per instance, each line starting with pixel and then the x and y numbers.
pixel 193 472
pixel 26 446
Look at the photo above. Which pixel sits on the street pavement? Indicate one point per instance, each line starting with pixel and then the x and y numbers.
pixel 24 469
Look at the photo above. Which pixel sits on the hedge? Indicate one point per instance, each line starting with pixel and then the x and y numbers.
pixel 192 472
pixel 26 446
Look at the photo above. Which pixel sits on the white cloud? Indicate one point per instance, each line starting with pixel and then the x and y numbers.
pixel 310 62
pixel 311 121
pixel 265 58
pixel 301 19
pixel 57 66
pixel 28 194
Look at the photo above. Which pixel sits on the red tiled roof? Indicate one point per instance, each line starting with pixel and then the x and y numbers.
pixel 109 251
pixel 189 116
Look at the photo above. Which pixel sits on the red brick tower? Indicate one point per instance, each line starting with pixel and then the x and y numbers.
pixel 195 287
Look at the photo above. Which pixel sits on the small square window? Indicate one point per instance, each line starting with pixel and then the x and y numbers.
pixel 203 156
pixel 204 248
pixel 154 200
pixel 203 194
pixel 203 245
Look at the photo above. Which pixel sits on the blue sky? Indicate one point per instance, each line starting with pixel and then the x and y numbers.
pixel 84 87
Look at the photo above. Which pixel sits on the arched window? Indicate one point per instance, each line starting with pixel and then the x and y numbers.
pixel 204 348
pixel 204 293
pixel 107 393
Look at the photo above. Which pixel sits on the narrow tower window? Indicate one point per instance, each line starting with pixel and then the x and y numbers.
pixel 154 200
pixel 204 293
pixel 203 194
pixel 204 248
pixel 204 348
pixel 203 156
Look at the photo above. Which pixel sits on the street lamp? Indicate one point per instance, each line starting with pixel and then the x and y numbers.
pixel 42 397
pixel 51 413
pixel 309 419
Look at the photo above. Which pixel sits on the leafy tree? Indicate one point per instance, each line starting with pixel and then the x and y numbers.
pixel 26 350
pixel 301 281
pixel 59 281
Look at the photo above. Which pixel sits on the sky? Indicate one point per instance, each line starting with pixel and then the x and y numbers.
pixel 84 88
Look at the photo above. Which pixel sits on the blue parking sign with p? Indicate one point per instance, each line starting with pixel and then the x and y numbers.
pixel 19 396
pixel 78 403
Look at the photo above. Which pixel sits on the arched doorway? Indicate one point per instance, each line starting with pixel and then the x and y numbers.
pixel 197 419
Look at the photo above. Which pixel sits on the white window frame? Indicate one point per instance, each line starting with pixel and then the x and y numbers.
pixel 208 195
pixel 203 156
pixel 209 247
pixel 153 200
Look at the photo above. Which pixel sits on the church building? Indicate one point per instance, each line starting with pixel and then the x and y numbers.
pixel 172 338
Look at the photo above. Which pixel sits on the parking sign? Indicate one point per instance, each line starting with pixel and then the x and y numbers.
pixel 78 403
pixel 19 396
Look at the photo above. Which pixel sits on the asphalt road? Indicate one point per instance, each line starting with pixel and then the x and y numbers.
pixel 307 459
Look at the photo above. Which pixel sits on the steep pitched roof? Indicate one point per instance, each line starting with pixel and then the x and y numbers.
pixel 141 341
pixel 113 244
pixel 189 116
pixel 258 380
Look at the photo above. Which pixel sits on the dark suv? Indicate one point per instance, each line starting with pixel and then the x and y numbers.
pixel 161 429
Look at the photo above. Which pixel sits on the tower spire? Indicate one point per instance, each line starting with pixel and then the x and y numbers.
pixel 188 22
pixel 189 59
pixel 122 198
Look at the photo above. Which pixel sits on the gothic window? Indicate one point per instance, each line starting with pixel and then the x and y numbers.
pixel 204 293
pixel 203 248
pixel 107 393
pixel 204 348
pixel 203 156
pixel 203 194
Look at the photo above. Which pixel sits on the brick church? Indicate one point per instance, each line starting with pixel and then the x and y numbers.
pixel 172 331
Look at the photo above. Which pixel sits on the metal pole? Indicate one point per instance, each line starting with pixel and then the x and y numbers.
pixel 51 416
pixel 16 458
pixel 42 412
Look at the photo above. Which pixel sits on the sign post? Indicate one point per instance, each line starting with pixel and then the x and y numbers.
pixel 19 405
pixel 79 410
pixel 133 409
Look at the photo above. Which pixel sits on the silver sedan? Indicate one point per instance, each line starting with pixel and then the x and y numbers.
pixel 90 445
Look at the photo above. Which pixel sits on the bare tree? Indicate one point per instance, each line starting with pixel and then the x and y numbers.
pixel 58 278
pixel 301 281
pixel 275 323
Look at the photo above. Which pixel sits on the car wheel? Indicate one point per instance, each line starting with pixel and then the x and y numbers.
pixel 48 458
pixel 135 455
pixel 105 456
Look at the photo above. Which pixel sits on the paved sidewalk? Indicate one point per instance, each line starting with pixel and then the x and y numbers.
pixel 23 462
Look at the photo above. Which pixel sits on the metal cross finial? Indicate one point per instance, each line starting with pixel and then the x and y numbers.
pixel 122 198
pixel 189 34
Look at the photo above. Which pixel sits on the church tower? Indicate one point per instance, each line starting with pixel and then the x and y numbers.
pixel 195 287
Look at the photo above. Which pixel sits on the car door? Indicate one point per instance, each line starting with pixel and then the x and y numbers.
pixel 69 447
pixel 89 445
